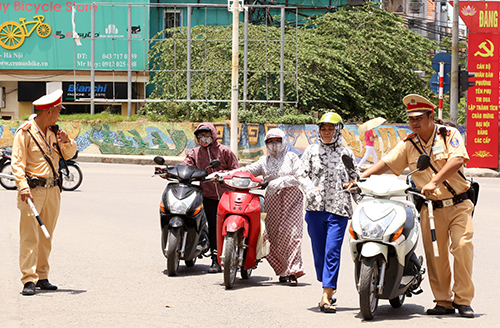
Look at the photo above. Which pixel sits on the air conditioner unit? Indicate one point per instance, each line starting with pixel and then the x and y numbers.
pixel 2 97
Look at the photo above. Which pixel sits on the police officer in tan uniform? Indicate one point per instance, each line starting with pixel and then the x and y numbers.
pixel 38 180
pixel 452 208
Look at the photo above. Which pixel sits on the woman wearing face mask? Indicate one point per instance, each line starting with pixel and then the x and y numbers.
pixel 211 149
pixel 283 205
pixel 328 208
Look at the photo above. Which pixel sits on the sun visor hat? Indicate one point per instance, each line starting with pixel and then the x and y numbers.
pixel 203 129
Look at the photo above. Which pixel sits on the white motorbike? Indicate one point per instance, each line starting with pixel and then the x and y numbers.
pixel 384 234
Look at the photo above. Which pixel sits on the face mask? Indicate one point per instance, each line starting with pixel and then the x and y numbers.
pixel 273 146
pixel 205 141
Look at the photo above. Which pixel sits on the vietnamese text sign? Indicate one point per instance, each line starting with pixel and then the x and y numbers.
pixel 482 19
pixel 39 35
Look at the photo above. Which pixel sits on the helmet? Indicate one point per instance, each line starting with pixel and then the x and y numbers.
pixel 203 129
pixel 332 118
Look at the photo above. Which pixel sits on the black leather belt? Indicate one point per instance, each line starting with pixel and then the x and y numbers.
pixel 34 182
pixel 450 201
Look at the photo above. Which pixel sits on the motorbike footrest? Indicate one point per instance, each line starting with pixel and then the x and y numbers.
pixel 417 292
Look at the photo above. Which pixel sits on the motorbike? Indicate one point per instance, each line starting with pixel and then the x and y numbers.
pixel 384 235
pixel 183 223
pixel 69 171
pixel 239 226
pixel 6 178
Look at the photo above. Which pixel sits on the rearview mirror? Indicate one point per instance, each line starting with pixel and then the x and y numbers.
pixel 214 163
pixel 159 160
pixel 423 162
pixel 347 160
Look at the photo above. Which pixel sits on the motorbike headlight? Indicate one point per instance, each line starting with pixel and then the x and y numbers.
pixel 179 206
pixel 374 229
pixel 241 183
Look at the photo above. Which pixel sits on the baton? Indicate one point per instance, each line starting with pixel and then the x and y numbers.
pixel 42 226
pixel 433 228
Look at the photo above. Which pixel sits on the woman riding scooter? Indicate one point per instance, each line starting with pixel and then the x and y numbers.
pixel 211 149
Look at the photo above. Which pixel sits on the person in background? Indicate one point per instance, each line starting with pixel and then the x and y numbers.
pixel 369 148
pixel 322 173
pixel 211 149
pixel 283 204
pixel 38 145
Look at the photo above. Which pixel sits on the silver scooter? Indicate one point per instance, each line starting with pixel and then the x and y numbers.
pixel 384 235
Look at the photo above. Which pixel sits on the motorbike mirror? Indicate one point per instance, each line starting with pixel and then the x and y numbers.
pixel 159 160
pixel 214 163
pixel 347 160
pixel 424 161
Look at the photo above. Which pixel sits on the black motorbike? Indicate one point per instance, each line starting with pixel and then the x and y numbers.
pixel 5 169
pixel 184 228
pixel 69 171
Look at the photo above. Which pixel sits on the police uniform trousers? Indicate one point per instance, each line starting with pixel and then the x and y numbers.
pixel 327 234
pixel 453 224
pixel 34 246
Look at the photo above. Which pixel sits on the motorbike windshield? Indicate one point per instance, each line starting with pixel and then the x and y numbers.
pixel 187 172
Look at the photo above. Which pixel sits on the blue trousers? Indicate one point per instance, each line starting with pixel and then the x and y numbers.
pixel 327 234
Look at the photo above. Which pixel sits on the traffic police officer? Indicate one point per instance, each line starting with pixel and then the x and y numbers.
pixel 452 208
pixel 35 144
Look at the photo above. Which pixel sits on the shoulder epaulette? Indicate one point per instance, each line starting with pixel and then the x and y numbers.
pixel 25 126
pixel 408 137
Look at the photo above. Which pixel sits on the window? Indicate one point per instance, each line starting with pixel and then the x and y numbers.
pixel 173 18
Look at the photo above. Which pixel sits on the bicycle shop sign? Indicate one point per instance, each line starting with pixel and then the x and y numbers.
pixel 39 35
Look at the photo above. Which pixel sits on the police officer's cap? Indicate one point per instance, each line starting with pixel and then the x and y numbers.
pixel 417 105
pixel 51 100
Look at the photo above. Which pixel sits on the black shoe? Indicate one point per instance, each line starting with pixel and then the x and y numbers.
pixel 28 289
pixel 283 279
pixel 215 267
pixel 45 284
pixel 464 310
pixel 440 310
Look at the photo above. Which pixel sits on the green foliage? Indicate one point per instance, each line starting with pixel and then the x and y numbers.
pixel 358 61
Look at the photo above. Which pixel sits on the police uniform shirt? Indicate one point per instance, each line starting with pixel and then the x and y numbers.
pixel 406 155
pixel 27 159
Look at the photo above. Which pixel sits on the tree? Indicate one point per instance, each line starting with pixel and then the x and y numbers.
pixel 358 61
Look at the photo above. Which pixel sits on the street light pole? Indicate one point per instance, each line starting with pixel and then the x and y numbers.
pixel 454 92
pixel 235 8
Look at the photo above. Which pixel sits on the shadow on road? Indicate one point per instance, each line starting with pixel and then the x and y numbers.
pixel 67 291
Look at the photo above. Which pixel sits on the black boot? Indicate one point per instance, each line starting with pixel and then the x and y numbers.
pixel 215 267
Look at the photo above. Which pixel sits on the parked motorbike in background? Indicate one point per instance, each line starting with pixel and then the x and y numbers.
pixel 182 218
pixel 384 235
pixel 70 173
pixel 239 226
pixel 5 169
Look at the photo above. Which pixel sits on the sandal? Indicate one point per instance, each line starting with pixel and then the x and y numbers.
pixel 327 308
pixel 283 279
pixel 293 280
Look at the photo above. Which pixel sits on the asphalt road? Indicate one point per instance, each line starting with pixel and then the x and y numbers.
pixel 108 264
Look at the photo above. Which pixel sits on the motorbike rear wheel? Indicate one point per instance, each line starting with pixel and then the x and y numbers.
pixel 174 245
pixel 7 183
pixel 231 246
pixel 397 302
pixel 245 274
pixel 190 263
pixel 71 179
pixel 368 293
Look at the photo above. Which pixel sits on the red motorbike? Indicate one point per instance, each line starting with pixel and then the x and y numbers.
pixel 238 226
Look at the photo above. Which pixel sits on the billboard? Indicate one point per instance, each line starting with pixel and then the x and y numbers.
pixel 39 35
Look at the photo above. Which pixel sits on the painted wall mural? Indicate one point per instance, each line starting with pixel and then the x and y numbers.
pixel 177 139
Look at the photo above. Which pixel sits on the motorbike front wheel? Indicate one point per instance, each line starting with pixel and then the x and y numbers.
pixel 231 242
pixel 368 294
pixel 174 245
pixel 7 183
pixel 72 178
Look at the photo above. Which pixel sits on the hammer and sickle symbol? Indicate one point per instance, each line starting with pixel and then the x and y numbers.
pixel 489 52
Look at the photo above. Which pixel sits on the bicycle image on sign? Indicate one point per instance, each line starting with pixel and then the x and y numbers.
pixel 12 34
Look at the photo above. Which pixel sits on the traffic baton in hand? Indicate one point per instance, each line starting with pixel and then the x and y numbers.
pixel 42 226
pixel 433 228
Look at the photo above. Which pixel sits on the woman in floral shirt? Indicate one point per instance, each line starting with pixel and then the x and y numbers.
pixel 328 207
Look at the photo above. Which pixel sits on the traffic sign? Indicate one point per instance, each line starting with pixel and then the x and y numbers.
pixel 435 83
pixel 442 57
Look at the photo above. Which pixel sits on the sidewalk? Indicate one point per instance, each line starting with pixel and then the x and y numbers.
pixel 174 160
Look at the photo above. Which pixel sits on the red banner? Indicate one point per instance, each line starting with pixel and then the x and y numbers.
pixel 482 101
pixel 482 19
